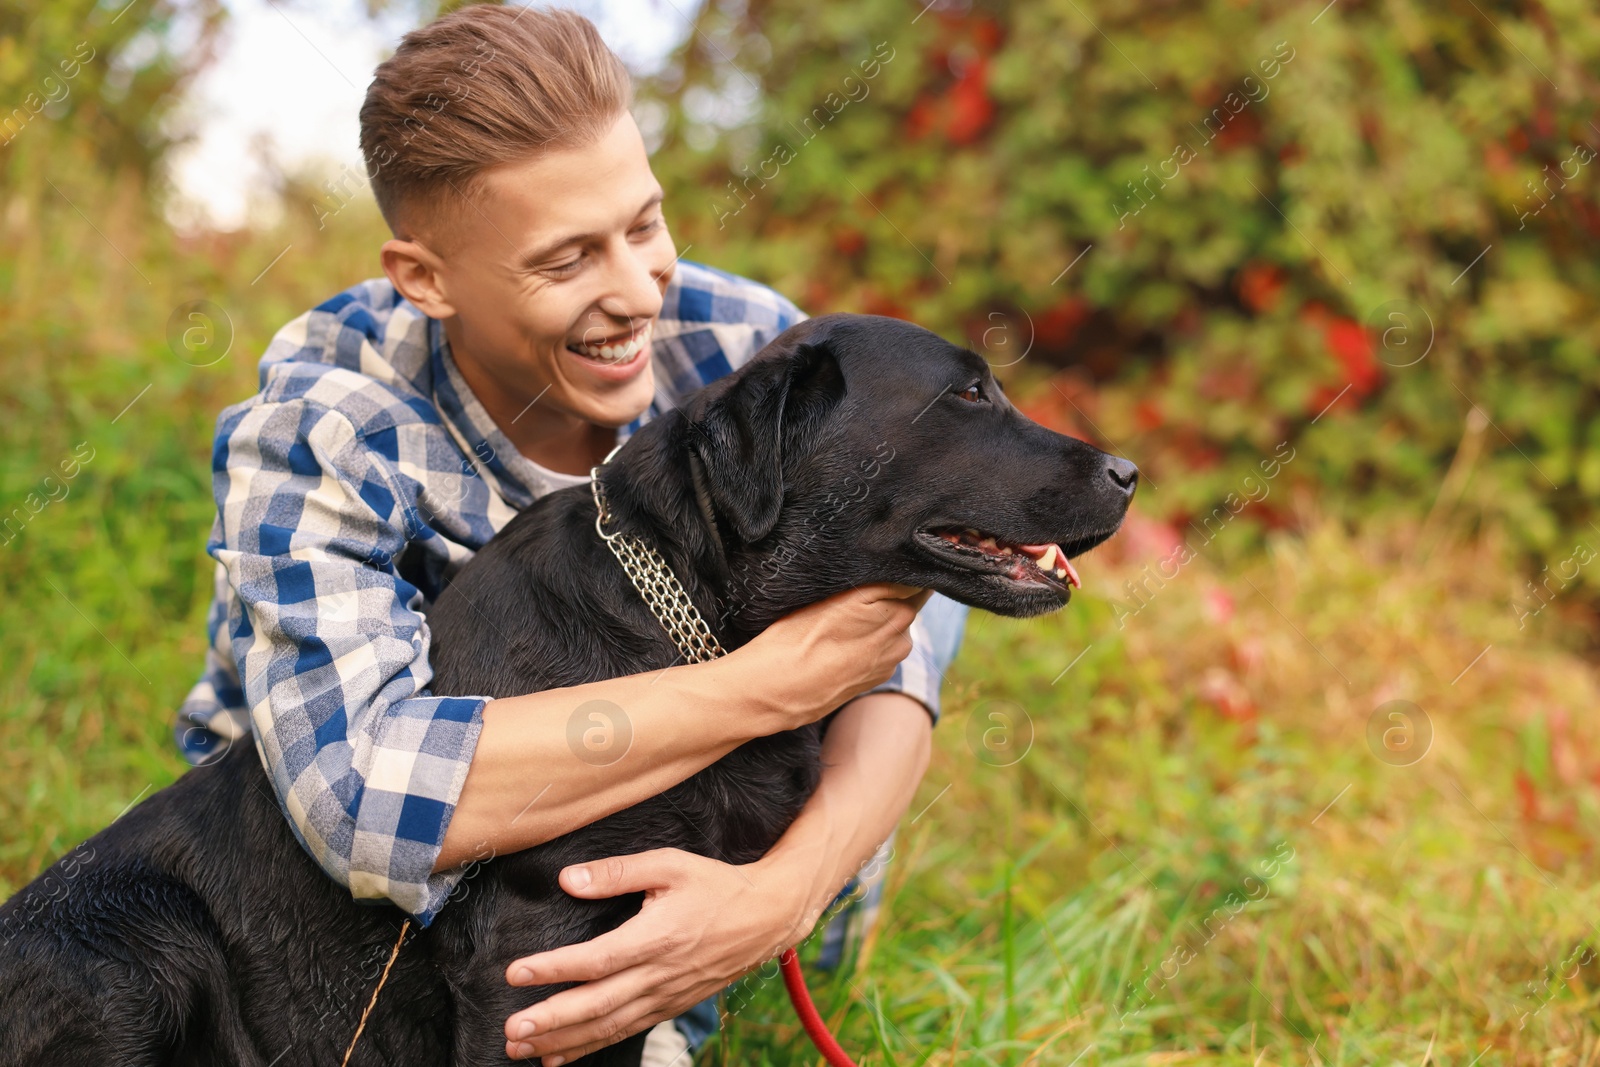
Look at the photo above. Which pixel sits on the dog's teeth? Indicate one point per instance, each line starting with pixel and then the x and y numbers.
pixel 1006 550
pixel 989 542
pixel 1047 562
pixel 1060 572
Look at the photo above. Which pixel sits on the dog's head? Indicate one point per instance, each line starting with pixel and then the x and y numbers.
pixel 857 448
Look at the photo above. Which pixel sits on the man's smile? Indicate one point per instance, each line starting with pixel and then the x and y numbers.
pixel 619 350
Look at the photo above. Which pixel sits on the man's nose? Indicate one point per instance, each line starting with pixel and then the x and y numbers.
pixel 1122 474
pixel 635 289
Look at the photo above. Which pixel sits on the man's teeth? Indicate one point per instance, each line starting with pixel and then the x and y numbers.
pixel 619 352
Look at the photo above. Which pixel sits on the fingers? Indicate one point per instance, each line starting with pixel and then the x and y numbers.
pixel 629 944
pixel 579 1021
pixel 616 875
pixel 898 604
pixel 636 941
pixel 642 938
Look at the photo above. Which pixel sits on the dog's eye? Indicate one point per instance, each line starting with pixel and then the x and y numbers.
pixel 972 393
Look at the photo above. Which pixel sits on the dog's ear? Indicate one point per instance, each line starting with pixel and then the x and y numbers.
pixel 771 409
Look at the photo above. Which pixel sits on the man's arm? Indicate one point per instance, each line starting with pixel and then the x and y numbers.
pixel 527 785
pixel 874 757
pixel 332 650
pixel 705 923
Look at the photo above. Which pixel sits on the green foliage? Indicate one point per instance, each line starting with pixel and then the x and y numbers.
pixel 1427 908
pixel 86 86
pixel 108 408
pixel 1278 208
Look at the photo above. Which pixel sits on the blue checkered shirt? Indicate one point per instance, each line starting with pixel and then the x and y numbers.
pixel 349 491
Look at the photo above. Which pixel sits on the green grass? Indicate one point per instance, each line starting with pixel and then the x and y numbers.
pixel 106 588
pixel 1058 907
pixel 1034 901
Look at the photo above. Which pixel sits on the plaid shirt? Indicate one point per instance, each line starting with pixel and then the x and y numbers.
pixel 349 491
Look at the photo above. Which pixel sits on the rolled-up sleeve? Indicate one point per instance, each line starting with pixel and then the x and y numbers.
pixel 935 639
pixel 332 650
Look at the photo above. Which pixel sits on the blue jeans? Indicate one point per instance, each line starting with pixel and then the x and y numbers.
pixel 945 621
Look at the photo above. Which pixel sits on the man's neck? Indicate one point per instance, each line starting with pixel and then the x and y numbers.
pixel 575 451
pixel 553 439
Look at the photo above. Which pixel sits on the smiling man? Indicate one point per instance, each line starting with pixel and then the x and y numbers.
pixel 533 314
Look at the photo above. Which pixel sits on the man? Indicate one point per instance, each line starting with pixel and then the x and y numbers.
pixel 533 314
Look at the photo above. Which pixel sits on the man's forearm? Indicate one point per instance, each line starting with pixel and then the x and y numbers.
pixel 544 765
pixel 874 756
pixel 533 777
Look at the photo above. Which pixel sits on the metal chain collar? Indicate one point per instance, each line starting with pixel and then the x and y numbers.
pixel 662 593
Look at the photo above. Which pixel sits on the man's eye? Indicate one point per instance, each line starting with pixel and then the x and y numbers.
pixel 562 270
pixel 650 227
pixel 973 393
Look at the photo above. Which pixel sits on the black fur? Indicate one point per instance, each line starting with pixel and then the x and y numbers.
pixel 194 930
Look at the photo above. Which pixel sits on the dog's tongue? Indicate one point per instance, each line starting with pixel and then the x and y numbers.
pixel 1050 556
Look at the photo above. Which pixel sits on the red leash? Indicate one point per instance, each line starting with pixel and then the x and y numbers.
pixel 800 996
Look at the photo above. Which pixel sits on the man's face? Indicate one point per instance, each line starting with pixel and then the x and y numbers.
pixel 555 273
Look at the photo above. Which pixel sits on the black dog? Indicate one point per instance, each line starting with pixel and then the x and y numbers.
pixel 853 449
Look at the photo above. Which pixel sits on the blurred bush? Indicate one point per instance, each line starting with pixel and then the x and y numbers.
pixel 1210 225
pixel 110 393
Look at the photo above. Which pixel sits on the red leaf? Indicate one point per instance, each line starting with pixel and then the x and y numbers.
pixel 970 107
pixel 1057 326
pixel 1245 129
pixel 1260 285
pixel 1351 345
pixel 1147 415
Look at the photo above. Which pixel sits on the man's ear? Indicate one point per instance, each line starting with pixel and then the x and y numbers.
pixel 414 270
pixel 772 408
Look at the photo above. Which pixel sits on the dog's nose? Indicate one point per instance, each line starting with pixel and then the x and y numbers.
pixel 1123 474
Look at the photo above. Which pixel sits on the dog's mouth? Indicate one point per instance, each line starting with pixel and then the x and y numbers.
pixel 1046 564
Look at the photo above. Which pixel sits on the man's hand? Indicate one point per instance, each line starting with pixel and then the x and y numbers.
pixel 813 660
pixel 703 924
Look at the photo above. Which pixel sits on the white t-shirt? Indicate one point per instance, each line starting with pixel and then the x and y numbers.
pixel 557 480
